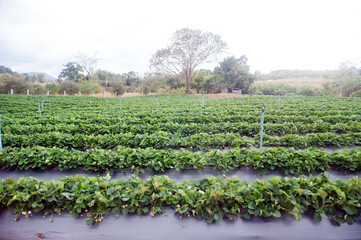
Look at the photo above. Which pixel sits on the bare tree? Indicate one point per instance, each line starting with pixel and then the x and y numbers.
pixel 87 63
pixel 188 49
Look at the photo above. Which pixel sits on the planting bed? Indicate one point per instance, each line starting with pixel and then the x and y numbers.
pixel 193 159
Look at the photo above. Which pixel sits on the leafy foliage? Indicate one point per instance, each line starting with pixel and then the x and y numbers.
pixel 234 73
pixel 290 161
pixel 189 48
pixel 72 71
pixel 210 198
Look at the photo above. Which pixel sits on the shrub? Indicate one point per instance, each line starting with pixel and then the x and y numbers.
pixel 88 87
pixel 306 91
pixel 70 87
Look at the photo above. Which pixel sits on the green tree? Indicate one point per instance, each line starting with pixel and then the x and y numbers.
pixel 18 84
pixel 154 83
pixel 174 82
pixel 88 87
pixel 234 73
pixel 118 87
pixel 103 77
pixel 188 49
pixel 348 79
pixel 131 79
pixel 203 81
pixel 53 88
pixel 72 71
pixel 37 89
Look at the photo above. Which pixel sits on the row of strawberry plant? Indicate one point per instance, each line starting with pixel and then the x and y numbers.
pixel 312 140
pixel 99 160
pixel 210 198
pixel 167 140
pixel 241 128
pixel 182 117
pixel 157 140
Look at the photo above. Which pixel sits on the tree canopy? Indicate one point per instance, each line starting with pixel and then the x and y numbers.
pixel 234 73
pixel 72 71
pixel 188 49
pixel 348 78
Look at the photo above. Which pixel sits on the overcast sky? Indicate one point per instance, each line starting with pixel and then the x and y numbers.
pixel 41 35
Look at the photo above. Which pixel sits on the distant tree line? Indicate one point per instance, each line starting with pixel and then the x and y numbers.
pixel 231 73
pixel 343 82
pixel 177 71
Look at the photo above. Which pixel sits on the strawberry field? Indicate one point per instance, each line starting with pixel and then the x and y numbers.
pixel 149 138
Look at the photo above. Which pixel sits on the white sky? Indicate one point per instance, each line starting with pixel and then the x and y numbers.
pixel 41 35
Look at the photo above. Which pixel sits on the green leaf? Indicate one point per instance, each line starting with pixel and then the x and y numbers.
pixel 246 215
pixel 181 192
pixel 322 193
pixel 296 212
pixel 349 219
pixel 350 210
pixel 317 217
pixel 251 205
pixel 145 209
pixel 9 181
pixel 217 217
pixel 68 195
pixel 90 220
pixel 277 214
pixel 337 220
pixel 125 211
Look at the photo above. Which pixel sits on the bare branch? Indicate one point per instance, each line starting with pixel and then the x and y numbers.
pixel 188 49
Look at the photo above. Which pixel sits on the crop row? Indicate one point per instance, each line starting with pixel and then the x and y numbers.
pixel 81 117
pixel 99 160
pixel 210 198
pixel 163 140
pixel 185 129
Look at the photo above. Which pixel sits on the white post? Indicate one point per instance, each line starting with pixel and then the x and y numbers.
pixel 27 92
pixel 64 93
pixel 80 93
pixel 47 93
pixel 11 91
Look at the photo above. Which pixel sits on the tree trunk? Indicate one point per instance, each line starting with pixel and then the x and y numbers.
pixel 188 83
pixel 188 80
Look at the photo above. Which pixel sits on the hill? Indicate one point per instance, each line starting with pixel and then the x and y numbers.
pixel 314 82
pixel 47 77
pixel 296 78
